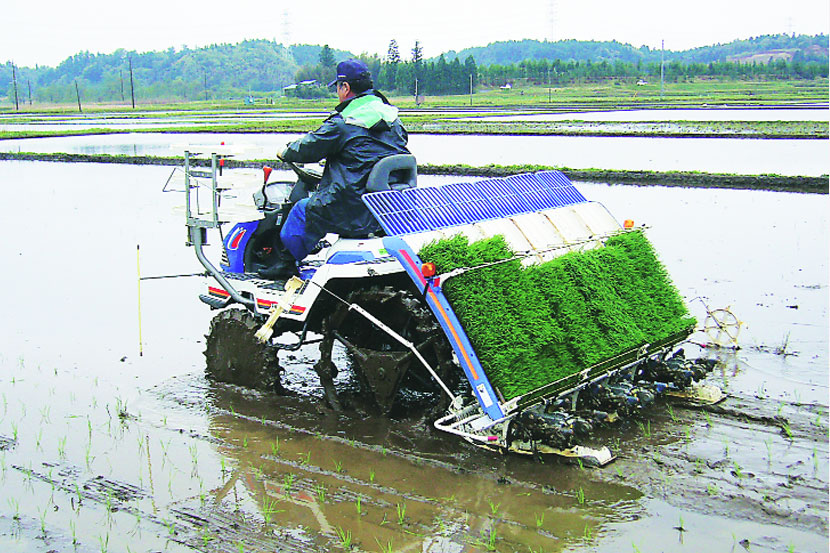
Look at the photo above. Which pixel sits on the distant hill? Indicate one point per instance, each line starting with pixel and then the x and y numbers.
pixel 219 70
pixel 762 48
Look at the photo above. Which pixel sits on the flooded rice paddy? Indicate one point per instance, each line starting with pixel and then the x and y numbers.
pixel 796 157
pixel 112 440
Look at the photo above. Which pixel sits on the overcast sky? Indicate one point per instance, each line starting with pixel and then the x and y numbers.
pixel 46 33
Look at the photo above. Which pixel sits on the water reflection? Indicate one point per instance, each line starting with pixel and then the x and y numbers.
pixel 437 496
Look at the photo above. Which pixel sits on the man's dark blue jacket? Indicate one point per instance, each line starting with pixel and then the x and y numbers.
pixel 361 131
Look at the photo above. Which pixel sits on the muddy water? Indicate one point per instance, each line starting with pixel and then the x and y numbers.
pixel 117 451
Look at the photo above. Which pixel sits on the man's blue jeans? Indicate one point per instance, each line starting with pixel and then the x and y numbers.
pixel 293 234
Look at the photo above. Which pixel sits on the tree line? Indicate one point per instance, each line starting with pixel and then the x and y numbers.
pixel 264 68
pixel 558 72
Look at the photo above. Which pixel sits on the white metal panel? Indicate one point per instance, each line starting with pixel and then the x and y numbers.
pixel 597 217
pixel 512 235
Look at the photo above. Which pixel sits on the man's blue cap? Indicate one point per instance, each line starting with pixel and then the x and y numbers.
pixel 350 70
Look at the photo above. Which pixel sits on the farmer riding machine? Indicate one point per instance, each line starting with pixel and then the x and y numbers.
pixel 524 312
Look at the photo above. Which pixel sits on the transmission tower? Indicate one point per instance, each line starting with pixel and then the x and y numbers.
pixel 286 28
pixel 552 19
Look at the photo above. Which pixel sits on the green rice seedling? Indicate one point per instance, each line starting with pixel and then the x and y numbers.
pixel 338 466
pixel 275 446
pixel 269 509
pixel 645 428
pixel 401 512
pixel 579 463
pixel 492 537
pixel 245 442
pixel 737 470
pixel 785 426
pixel 494 507
pixel 384 548
pixel 540 519
pixel 14 432
pixel 358 505
pixel 14 503
pixel 587 533
pixel 305 459
pixel 671 412
pixel 321 493
pixel 345 537
pixel 768 444
pixel 371 476
pixel 38 439
pixel 44 414
pixel 580 496
pixel 711 489
pixel 43 520
pixel 73 532
pixel 288 482
pixel 559 317
pixel 619 471
pixel 104 542
pixel 108 506
pixel 240 547
pixel 708 419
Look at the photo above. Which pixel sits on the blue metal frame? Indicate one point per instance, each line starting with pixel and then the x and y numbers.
pixel 444 314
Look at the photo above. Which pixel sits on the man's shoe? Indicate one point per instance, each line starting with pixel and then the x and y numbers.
pixel 283 269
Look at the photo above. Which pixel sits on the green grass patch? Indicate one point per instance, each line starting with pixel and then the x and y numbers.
pixel 532 326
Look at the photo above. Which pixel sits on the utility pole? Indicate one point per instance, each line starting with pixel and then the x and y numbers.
pixel 416 92
pixel 29 85
pixel 14 79
pixel 549 94
pixel 471 89
pixel 132 88
pixel 78 93
pixel 121 76
pixel 662 50
pixel 204 71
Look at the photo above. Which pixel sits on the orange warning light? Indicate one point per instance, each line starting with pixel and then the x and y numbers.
pixel 628 223
pixel 428 270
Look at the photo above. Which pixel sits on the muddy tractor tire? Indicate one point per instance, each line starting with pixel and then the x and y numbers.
pixel 235 356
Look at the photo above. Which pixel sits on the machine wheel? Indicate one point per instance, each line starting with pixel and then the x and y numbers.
pixel 722 327
pixel 382 365
pixel 235 356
